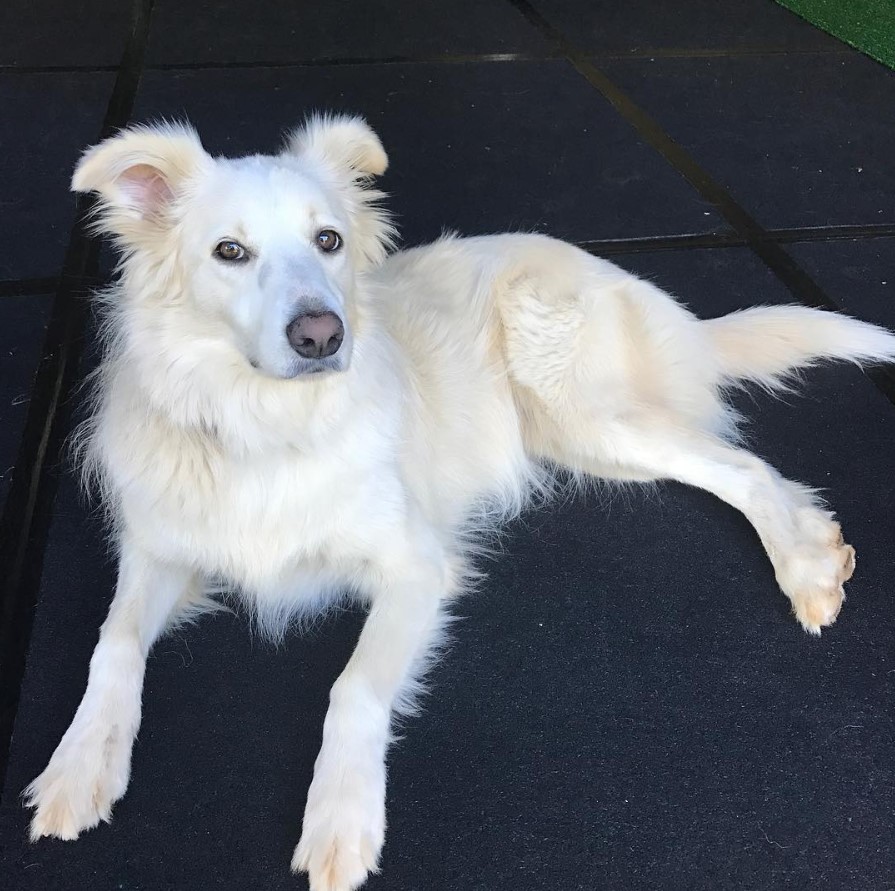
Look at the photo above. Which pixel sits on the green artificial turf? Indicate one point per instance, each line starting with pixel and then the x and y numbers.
pixel 868 25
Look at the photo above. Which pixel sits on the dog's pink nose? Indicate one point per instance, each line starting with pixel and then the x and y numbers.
pixel 316 335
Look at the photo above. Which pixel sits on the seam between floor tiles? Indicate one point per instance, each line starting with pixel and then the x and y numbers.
pixel 769 250
pixel 25 522
pixel 446 58
pixel 35 287
pixel 329 62
pixel 711 241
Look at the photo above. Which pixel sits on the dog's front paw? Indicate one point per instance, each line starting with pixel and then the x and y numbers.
pixel 344 829
pixel 79 786
pixel 813 575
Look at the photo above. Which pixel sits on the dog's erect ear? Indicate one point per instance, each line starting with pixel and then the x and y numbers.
pixel 345 143
pixel 347 147
pixel 139 172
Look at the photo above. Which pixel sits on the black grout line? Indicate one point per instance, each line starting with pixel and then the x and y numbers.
pixel 770 251
pixel 731 239
pixel 326 62
pixel 25 522
pixel 27 287
pixel 723 53
pixel 447 58
pixel 612 246
pixel 832 233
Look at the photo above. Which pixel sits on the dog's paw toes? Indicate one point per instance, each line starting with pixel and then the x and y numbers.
pixel 64 807
pixel 847 561
pixel 343 831
pixel 813 578
pixel 336 861
pixel 819 608
pixel 77 789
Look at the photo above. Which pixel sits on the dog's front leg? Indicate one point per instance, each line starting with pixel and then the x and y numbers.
pixel 344 823
pixel 90 768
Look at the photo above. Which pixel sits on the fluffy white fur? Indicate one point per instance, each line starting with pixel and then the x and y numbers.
pixel 469 367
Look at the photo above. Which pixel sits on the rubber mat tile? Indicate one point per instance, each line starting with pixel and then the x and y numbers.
pixel 858 275
pixel 697 25
pixel 240 31
pixel 54 118
pixel 627 703
pixel 798 140
pixel 22 327
pixel 51 33
pixel 476 148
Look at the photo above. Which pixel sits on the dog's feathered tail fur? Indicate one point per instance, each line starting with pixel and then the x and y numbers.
pixel 767 344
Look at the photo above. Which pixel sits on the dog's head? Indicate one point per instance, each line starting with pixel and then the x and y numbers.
pixel 265 249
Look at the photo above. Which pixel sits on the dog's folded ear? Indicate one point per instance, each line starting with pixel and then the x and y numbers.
pixel 341 141
pixel 139 173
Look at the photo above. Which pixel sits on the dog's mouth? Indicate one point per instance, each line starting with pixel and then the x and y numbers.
pixel 309 367
pixel 298 367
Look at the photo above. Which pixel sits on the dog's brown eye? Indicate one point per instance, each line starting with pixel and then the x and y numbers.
pixel 328 240
pixel 231 251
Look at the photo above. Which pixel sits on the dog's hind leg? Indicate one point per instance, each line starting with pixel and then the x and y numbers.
pixel 616 380
pixel 90 769
pixel 801 538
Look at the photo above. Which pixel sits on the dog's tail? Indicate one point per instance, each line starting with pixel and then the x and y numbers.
pixel 765 344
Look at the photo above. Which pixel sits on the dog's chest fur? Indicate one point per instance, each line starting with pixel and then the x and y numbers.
pixel 283 523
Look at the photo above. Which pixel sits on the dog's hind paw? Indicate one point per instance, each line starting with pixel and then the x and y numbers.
pixel 814 574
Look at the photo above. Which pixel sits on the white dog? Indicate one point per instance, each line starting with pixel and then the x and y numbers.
pixel 288 411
